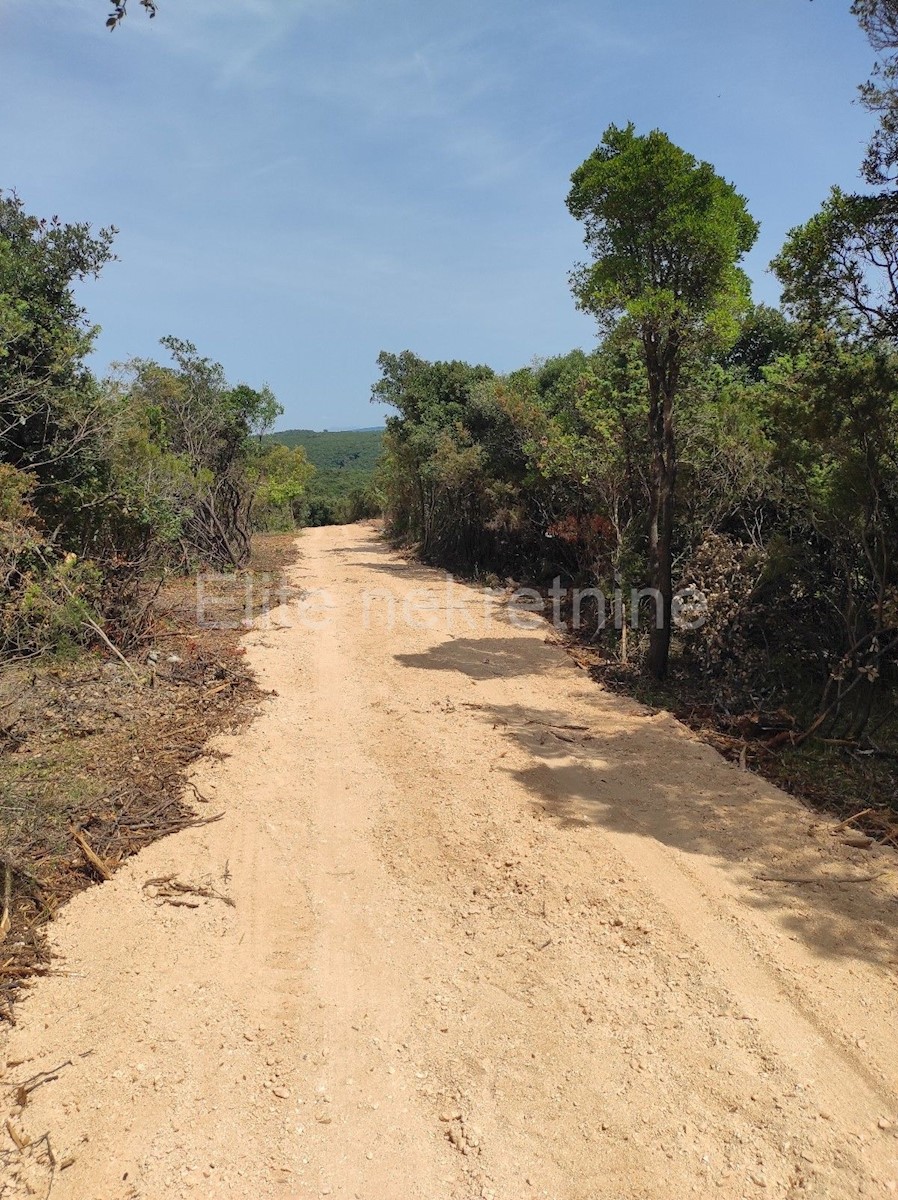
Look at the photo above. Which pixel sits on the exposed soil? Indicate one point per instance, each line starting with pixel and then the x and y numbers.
pixel 469 927
pixel 93 752
pixel 842 778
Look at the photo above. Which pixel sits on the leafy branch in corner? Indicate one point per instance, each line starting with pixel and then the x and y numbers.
pixel 120 11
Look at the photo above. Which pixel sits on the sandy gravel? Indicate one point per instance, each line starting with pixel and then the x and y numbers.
pixel 495 933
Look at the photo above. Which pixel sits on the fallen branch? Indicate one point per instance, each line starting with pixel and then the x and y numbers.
pixel 91 624
pixel 168 889
pixel 818 878
pixel 20 1139
pixel 201 821
pixel 24 1090
pixel 5 920
pixel 849 820
pixel 115 650
pixel 51 1157
pixel 14 972
pixel 801 738
pixel 94 859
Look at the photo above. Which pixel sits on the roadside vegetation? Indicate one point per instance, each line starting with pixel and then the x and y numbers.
pixel 114 494
pixel 107 485
pixel 95 752
pixel 737 461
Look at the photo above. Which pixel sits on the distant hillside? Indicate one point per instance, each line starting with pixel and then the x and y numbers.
pixel 354 450
pixel 344 462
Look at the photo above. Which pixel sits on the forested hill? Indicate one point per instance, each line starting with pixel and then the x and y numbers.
pixel 342 488
pixel 349 450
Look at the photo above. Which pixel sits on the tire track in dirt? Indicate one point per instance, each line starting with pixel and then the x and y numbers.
pixel 496 934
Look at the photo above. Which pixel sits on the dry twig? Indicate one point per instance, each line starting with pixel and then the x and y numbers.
pixel 849 820
pixel 23 1090
pixel 5 921
pixel 817 878
pixel 94 859
pixel 20 1139
pixel 168 889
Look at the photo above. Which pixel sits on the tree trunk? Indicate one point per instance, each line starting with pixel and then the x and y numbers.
pixel 660 574
pixel 624 652
pixel 662 374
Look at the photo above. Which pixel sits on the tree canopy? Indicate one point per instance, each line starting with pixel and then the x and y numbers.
pixel 842 265
pixel 106 483
pixel 664 231
pixel 666 234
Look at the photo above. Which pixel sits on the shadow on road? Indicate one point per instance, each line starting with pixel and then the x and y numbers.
pixel 619 768
pixel 478 658
pixel 401 570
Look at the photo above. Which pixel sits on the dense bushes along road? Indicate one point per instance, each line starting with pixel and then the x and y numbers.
pixel 107 484
pixel 708 444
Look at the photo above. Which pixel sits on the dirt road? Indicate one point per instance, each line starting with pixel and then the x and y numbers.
pixel 495 933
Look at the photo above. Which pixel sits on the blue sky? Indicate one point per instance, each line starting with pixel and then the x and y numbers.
pixel 302 183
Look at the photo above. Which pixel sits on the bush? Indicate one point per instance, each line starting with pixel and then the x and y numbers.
pixel 362 504
pixel 48 597
pixel 728 648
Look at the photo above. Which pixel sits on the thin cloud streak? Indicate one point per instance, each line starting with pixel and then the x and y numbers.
pixel 301 183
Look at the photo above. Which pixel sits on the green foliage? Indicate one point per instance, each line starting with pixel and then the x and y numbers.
pixel 666 234
pixel 105 485
pixel 196 438
pixel 836 415
pixel 784 512
pixel 744 456
pixel 879 20
pixel 764 335
pixel 15 486
pixel 841 268
pixel 438 455
pixel 50 411
pixel 55 606
pixel 48 598
pixel 362 504
pixel 349 450
pixel 284 476
pixel 342 489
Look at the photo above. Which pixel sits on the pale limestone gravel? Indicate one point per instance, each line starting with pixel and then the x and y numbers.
pixel 474 953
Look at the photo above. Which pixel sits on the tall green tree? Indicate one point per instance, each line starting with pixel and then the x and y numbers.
pixel 665 233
